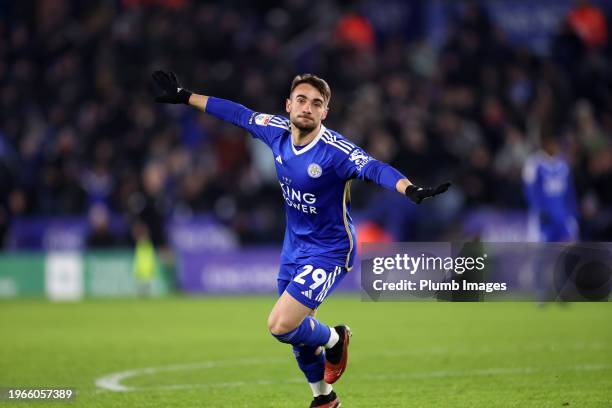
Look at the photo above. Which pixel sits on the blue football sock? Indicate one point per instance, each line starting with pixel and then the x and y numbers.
pixel 310 332
pixel 312 365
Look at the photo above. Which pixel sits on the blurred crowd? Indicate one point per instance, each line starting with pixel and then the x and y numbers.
pixel 80 133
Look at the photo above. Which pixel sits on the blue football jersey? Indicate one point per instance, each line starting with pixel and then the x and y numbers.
pixel 314 180
pixel 551 197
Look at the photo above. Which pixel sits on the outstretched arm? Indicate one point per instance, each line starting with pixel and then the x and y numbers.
pixel 388 177
pixel 175 93
pixel 358 164
pixel 418 194
pixel 254 122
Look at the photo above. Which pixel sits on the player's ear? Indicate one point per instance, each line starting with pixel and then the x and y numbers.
pixel 324 114
pixel 288 105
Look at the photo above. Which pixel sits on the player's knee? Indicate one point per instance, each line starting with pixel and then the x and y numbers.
pixel 279 326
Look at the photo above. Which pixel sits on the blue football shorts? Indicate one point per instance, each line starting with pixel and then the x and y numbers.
pixel 311 282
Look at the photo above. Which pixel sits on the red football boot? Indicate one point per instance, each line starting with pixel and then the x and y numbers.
pixel 336 357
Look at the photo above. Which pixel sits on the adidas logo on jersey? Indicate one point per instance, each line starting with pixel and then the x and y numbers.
pixel 279 159
pixel 307 293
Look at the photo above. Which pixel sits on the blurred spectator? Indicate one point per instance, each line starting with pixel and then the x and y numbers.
pixel 100 236
pixel 590 136
pixel 589 23
pixel 508 167
pixel 150 206
pixel 355 31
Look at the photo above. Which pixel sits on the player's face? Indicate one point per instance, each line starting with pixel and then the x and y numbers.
pixel 306 107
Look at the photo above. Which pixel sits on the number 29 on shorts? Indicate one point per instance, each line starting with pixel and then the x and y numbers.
pixel 318 276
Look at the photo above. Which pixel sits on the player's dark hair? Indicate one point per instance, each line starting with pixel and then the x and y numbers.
pixel 315 81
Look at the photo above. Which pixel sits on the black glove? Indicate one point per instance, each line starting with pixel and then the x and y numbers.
pixel 173 92
pixel 418 194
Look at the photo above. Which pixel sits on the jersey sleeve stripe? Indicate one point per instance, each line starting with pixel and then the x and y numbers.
pixel 335 144
pixel 346 144
pixel 280 120
pixel 279 126
pixel 342 142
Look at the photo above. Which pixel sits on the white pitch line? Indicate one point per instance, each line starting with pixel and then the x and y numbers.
pixel 112 382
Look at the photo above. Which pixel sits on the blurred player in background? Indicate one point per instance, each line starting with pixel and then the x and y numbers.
pixel 145 262
pixel 314 166
pixel 550 194
pixel 549 189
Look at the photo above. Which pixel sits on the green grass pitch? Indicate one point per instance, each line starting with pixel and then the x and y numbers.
pixel 216 352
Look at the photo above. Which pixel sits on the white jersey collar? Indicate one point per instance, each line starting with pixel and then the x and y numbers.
pixel 309 145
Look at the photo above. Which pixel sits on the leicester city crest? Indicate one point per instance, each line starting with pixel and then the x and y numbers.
pixel 314 170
